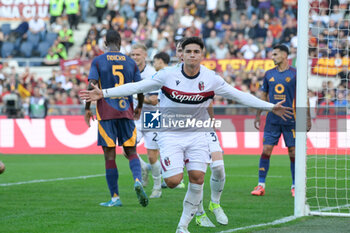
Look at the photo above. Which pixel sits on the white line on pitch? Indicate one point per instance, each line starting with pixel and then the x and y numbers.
pixel 276 222
pixel 50 180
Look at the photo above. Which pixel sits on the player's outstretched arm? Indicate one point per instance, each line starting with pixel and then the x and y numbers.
pixel 146 85
pixel 229 92
pixel 282 111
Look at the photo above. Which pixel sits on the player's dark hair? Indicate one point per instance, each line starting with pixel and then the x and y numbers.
pixel 113 38
pixel 179 42
pixel 163 56
pixel 193 40
pixel 282 47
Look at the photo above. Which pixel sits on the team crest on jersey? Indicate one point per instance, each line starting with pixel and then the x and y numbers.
pixel 201 86
pixel 177 82
pixel 288 79
pixel 166 161
pixel 272 79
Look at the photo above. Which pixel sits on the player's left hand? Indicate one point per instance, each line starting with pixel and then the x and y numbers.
pixel 282 111
pixel 94 94
pixel 137 113
pixel 88 115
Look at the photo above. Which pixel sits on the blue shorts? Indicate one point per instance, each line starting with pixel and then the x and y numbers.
pixel 272 134
pixel 110 130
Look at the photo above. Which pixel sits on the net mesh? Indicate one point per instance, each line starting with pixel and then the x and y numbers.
pixel 328 159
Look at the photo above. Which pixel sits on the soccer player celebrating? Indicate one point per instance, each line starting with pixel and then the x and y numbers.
pixel 115 115
pixel 279 84
pixel 186 88
pixel 139 54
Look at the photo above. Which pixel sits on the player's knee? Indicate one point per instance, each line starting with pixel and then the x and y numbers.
pixel 265 155
pixel 218 169
pixel 172 182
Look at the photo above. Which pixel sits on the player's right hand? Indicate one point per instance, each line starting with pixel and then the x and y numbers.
pixel 137 113
pixel 87 116
pixel 257 122
pixel 282 111
pixel 94 94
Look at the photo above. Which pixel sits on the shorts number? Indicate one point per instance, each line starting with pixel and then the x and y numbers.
pixel 155 137
pixel 120 75
pixel 293 131
pixel 213 135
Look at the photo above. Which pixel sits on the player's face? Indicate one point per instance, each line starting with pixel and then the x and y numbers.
pixel 139 56
pixel 192 54
pixel 179 52
pixel 278 56
pixel 158 64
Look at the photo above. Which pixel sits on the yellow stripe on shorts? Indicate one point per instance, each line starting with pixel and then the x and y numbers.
pixel 131 141
pixel 108 140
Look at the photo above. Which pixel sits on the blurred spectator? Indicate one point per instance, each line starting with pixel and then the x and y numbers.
pixel 326 107
pixel 66 37
pixel 37 26
pixel 37 104
pixel 249 49
pixel 212 42
pixel 101 7
pixel 344 76
pixel 84 9
pixel 20 32
pixel 126 9
pixel 55 9
pixel 140 6
pixel 341 104
pixel 221 51
pixel 59 49
pixel 51 59
pixel 73 11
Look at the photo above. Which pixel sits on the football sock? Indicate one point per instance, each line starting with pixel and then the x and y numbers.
pixel 157 178
pixel 135 167
pixel 263 167
pixel 112 177
pixel 191 203
pixel 217 180
pixel 200 210
pixel 292 169
pixel 144 165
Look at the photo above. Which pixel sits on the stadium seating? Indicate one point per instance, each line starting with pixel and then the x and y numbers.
pixel 7 49
pixel 6 28
pixel 26 49
pixel 43 48
pixel 34 39
pixel 50 37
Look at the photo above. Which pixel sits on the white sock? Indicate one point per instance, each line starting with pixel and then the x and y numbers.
pixel 191 203
pixel 217 180
pixel 261 184
pixel 142 163
pixel 157 178
pixel 200 210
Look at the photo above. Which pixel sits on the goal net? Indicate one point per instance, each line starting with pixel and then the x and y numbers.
pixel 327 181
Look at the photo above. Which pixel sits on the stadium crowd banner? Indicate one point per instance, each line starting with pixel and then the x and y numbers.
pixel 221 65
pixel 15 9
pixel 328 67
pixel 70 135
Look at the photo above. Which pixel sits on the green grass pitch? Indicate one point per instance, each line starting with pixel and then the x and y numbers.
pixel 72 205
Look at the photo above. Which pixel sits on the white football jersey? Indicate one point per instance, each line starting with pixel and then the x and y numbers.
pixel 181 94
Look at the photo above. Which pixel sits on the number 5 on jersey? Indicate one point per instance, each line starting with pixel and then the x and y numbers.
pixel 119 74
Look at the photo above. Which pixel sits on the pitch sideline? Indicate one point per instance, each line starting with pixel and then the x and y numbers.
pixel 51 180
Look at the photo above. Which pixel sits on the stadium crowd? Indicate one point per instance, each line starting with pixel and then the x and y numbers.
pixel 231 29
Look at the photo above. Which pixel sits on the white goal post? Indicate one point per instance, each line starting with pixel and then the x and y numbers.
pixel 322 179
